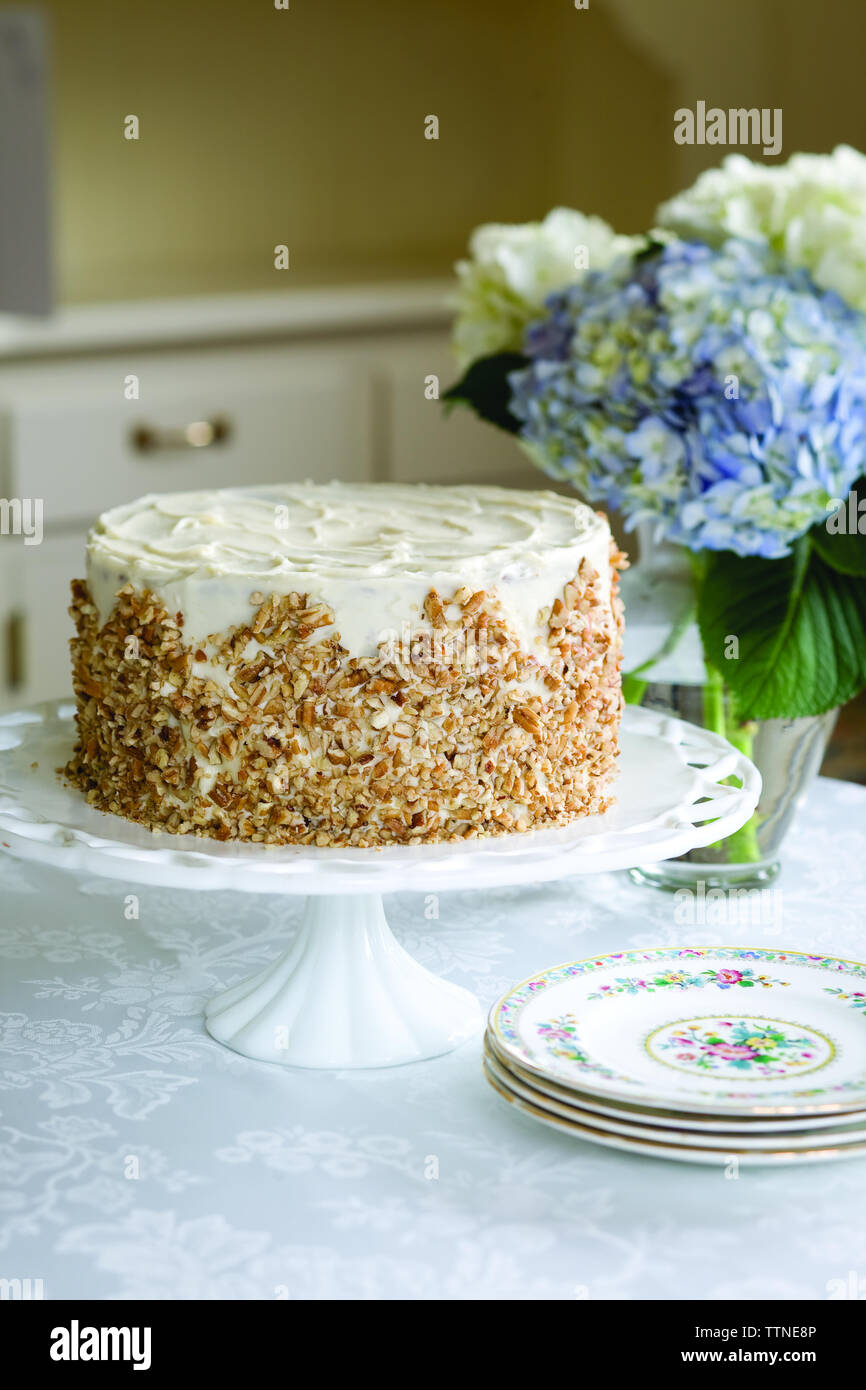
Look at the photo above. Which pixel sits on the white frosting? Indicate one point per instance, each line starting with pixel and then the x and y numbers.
pixel 372 551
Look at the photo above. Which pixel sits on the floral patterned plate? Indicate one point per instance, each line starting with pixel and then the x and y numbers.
pixel 680 1153
pixel 805 1137
pixel 707 1030
pixel 592 1106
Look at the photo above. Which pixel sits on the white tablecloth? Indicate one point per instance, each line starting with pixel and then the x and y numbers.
pixel 140 1159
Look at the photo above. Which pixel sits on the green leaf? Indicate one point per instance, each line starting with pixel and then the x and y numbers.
pixel 652 248
pixel 801 627
pixel 485 388
pixel 839 540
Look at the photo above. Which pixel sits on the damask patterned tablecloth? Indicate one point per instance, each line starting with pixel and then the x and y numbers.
pixel 138 1158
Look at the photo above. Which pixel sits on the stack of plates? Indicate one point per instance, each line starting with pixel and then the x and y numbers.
pixel 701 1055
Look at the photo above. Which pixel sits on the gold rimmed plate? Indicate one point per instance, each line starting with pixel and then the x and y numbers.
pixel 655 1148
pixel 716 1031
pixel 804 1138
pixel 667 1119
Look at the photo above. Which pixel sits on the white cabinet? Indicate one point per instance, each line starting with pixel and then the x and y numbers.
pixel 69 437
pixel 318 398
pixel 73 439
pixel 428 445
pixel 42 626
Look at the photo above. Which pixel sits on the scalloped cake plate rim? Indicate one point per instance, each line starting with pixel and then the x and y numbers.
pixel 43 818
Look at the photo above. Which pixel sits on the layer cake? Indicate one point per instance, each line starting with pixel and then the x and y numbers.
pixel 348 664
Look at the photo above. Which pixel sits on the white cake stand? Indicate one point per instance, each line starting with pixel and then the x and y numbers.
pixel 346 994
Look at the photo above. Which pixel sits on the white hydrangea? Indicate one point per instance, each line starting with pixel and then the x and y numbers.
pixel 514 267
pixel 812 210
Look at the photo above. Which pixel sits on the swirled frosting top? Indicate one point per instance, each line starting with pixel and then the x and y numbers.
pixel 340 529
pixel 359 546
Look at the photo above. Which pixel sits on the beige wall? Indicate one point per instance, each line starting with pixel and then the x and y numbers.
pixel 305 126
pixel 805 56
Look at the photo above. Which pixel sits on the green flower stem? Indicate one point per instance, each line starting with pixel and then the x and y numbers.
pixel 743 845
pixel 633 689
pixel 714 703
pixel 698 562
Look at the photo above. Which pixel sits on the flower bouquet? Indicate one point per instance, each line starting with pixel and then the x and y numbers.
pixel 708 381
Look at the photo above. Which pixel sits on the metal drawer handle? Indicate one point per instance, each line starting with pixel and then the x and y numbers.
pixel 198 434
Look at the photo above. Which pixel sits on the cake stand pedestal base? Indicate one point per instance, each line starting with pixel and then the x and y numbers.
pixel 346 994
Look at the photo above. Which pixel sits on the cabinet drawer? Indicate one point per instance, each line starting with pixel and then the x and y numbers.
pixel 428 446
pixel 45 624
pixel 34 622
pixel 81 446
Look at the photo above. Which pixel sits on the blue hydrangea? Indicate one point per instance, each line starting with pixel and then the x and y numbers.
pixel 713 391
